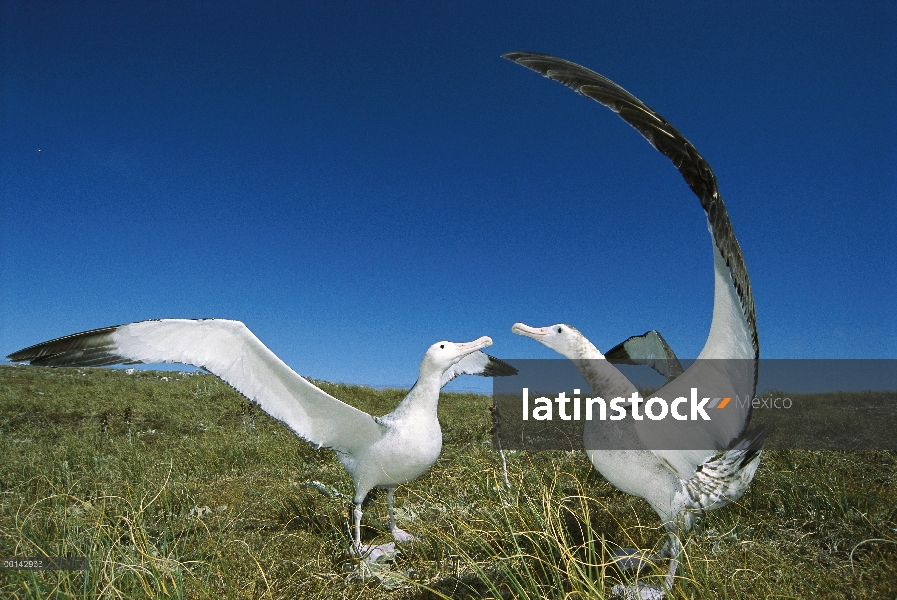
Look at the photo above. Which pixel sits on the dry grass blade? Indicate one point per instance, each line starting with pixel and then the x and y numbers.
pixel 197 506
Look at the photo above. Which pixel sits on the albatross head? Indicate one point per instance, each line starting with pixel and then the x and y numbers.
pixel 442 355
pixel 566 340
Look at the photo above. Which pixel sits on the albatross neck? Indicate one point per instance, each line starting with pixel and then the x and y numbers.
pixel 423 396
pixel 603 378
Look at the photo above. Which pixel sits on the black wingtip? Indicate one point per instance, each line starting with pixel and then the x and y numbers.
pixel 751 442
pixel 498 368
pixel 19 356
pixel 84 349
pixel 516 56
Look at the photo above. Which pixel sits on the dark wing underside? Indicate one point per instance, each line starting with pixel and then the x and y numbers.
pixel 649 349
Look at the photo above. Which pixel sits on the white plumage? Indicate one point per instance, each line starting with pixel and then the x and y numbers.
pixel 377 452
pixel 722 457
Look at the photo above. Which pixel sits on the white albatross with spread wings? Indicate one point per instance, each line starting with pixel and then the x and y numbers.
pixel 379 452
pixel 682 468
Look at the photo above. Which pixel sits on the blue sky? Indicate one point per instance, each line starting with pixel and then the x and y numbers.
pixel 356 181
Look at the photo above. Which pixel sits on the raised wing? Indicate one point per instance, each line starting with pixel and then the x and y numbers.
pixel 478 363
pixel 229 350
pixel 672 144
pixel 732 350
pixel 649 349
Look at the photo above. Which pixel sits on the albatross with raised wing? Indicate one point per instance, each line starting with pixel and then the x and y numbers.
pixel 680 484
pixel 377 452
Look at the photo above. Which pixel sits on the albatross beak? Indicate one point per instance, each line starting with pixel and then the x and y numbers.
pixel 537 333
pixel 475 345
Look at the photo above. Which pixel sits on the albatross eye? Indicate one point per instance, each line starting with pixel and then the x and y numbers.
pixel 559 330
pixel 441 346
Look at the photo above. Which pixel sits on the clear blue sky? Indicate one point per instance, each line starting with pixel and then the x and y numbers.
pixel 356 181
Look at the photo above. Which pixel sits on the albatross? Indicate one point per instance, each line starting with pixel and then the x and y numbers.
pixel 378 452
pixel 716 463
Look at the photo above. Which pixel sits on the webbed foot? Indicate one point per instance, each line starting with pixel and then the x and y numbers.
pixel 638 592
pixel 402 536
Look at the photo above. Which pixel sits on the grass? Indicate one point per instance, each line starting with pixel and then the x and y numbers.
pixel 184 499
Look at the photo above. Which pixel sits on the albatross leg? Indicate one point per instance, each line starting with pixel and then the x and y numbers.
pixel 358 547
pixel 360 495
pixel 398 534
pixel 674 549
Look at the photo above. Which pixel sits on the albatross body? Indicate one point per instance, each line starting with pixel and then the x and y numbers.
pixel 721 456
pixel 377 452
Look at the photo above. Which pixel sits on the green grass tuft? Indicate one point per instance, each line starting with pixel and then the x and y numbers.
pixel 181 499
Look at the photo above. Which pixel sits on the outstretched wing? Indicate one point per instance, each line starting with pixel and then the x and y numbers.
pixel 229 350
pixel 649 349
pixel 478 363
pixel 672 144
pixel 730 355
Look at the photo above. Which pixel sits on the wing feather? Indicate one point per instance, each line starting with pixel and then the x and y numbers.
pixel 732 375
pixel 478 363
pixel 648 349
pixel 232 352
pixel 672 144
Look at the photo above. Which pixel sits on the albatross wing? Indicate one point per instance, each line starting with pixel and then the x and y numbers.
pixel 733 346
pixel 478 363
pixel 672 144
pixel 648 349
pixel 232 352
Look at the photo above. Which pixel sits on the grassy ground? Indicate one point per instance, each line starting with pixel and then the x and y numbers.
pixel 179 498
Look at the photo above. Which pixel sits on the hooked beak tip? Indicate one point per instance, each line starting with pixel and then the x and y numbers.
pixel 478 344
pixel 526 330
